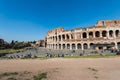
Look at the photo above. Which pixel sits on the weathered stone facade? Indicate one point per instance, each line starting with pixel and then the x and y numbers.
pixel 104 35
pixel 40 43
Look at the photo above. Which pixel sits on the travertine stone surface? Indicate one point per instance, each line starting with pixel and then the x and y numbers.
pixel 104 35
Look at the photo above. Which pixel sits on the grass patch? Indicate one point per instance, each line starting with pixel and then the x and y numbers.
pixel 11 50
pixel 26 72
pixel 40 76
pixel 93 56
pixel 96 77
pixel 8 74
pixel 93 69
pixel 11 78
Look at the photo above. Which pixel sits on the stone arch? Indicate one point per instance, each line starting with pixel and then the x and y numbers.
pixel 68 46
pixel 111 33
pixel 59 46
pixel 53 46
pixel 118 45
pixel 53 38
pixel 63 37
pixel 72 36
pixel 73 46
pixel 79 46
pixel 84 35
pixel 67 37
pixel 104 33
pixel 63 46
pixel 117 33
pixel 85 46
pixel 90 34
pixel 59 37
pixel 97 34
pixel 56 46
pixel 112 44
pixel 92 46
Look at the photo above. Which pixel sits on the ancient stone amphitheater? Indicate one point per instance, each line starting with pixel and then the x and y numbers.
pixel 104 35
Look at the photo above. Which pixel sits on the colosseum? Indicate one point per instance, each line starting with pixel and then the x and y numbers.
pixel 104 35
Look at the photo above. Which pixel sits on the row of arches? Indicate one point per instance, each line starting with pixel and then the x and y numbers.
pixel 102 34
pixel 95 34
pixel 74 46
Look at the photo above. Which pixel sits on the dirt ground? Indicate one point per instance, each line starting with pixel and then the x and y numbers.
pixel 66 68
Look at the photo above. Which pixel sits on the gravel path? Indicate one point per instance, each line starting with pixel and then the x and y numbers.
pixel 67 69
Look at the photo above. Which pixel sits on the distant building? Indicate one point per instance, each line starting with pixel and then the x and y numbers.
pixel 104 35
pixel 40 43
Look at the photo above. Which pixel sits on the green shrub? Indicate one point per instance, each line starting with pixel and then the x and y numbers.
pixel 8 74
pixel 40 76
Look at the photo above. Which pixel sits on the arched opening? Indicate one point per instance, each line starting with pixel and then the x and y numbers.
pixel 90 34
pixel 112 44
pixel 117 33
pixel 78 46
pixel 118 45
pixel 92 46
pixel 85 46
pixel 111 33
pixel 67 36
pixel 97 34
pixel 72 36
pixel 56 46
pixel 63 37
pixel 84 35
pixel 63 46
pixel 104 33
pixel 59 46
pixel 59 37
pixel 73 46
pixel 53 46
pixel 53 38
pixel 68 46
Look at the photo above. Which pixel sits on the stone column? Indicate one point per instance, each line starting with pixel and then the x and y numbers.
pixel 76 46
pixel 88 46
pixel 108 35
pixel 81 35
pixel 116 47
pixel 94 34
pixel 57 38
pixel 101 34
pixel 96 48
pixel 70 36
pixel 82 47
pixel 87 35
pixel 114 35
pixel 65 37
